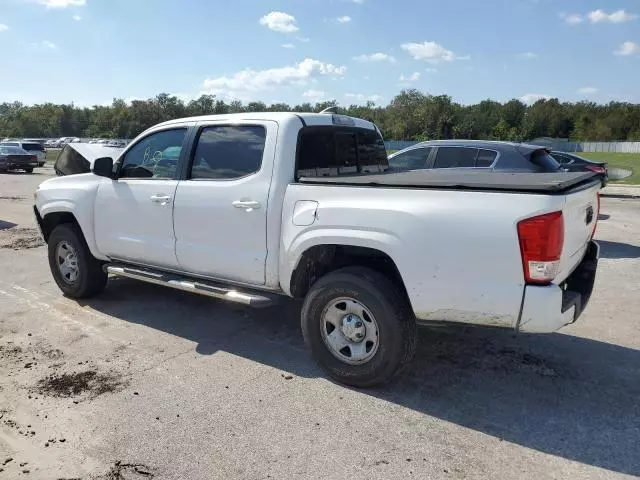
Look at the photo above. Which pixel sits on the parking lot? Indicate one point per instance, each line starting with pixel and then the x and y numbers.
pixel 145 382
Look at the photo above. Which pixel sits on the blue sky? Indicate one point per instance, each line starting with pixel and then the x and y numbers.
pixel 90 51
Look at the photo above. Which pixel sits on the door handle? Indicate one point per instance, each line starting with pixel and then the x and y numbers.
pixel 161 199
pixel 246 204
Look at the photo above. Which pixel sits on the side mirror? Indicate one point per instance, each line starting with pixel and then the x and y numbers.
pixel 103 167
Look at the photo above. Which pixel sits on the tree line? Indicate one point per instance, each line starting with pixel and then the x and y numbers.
pixel 411 115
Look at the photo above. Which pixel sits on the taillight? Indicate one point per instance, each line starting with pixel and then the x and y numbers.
pixel 595 222
pixel 34 158
pixel 595 169
pixel 541 240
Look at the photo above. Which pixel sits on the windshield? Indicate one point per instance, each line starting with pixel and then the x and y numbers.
pixel 12 151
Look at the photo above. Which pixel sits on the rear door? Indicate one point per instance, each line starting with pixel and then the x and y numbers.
pixel 580 214
pixel 220 210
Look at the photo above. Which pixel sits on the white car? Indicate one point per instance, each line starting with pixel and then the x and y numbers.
pixel 246 207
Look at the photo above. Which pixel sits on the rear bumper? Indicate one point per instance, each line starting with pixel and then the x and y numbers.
pixel 548 308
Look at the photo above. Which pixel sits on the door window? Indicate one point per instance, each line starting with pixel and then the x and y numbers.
pixel 411 159
pixel 155 156
pixel 485 158
pixel 455 157
pixel 228 152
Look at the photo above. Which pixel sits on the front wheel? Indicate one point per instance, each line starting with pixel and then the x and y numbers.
pixel 29 170
pixel 77 272
pixel 359 326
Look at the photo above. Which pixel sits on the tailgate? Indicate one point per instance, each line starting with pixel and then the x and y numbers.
pixel 580 214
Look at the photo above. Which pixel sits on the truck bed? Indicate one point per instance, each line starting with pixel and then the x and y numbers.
pixel 547 183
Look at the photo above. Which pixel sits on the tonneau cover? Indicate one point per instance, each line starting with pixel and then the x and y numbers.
pixel 475 180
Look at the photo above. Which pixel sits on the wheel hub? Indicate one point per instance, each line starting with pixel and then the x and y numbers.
pixel 67 259
pixel 353 328
pixel 349 331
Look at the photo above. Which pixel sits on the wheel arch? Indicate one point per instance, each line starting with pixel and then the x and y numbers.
pixel 317 260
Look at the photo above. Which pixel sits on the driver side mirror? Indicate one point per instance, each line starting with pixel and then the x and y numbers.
pixel 103 167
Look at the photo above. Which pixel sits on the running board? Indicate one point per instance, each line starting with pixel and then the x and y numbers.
pixel 201 287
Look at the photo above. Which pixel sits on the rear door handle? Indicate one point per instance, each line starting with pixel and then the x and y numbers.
pixel 161 199
pixel 246 204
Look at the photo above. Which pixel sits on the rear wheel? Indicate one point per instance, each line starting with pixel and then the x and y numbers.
pixel 77 272
pixel 359 326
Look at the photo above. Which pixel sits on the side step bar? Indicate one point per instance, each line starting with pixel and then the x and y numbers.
pixel 200 287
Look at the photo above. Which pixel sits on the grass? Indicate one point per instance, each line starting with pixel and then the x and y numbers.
pixel 630 161
pixel 52 154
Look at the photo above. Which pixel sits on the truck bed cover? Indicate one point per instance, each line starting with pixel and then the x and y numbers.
pixel 525 182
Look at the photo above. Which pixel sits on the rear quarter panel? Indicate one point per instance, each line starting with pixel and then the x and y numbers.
pixel 457 251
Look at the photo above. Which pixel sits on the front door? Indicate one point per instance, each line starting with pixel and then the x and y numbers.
pixel 220 211
pixel 134 213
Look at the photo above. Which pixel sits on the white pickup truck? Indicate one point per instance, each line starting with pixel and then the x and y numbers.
pixel 246 207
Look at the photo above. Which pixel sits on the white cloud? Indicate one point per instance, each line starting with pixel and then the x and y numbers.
pixel 303 39
pixel 528 55
pixel 48 44
pixel 244 82
pixel 280 22
pixel 314 94
pixel 77 18
pixel 530 98
pixel 62 3
pixel 572 18
pixel 627 48
pixel 620 16
pixel 375 57
pixel 406 81
pixel 431 52
pixel 3 27
pixel 344 19
pixel 359 2
pixel 431 70
pixel 587 90
pixel 288 45
pixel 361 98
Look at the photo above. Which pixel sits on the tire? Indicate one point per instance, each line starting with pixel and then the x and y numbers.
pixel 392 315
pixel 29 170
pixel 89 278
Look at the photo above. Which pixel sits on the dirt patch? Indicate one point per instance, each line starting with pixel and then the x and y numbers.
pixel 74 384
pixel 19 238
pixel 127 471
pixel 10 352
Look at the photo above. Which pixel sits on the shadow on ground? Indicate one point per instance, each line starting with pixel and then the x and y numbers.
pixel 567 396
pixel 618 250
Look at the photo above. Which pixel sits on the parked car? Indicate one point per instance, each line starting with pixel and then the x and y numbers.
pixel 575 163
pixel 15 158
pixel 50 143
pixel 75 158
pixel 476 154
pixel 245 207
pixel 34 148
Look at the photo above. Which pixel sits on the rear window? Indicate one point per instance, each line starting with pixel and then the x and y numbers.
pixel 544 161
pixel 33 147
pixel 330 151
pixel 11 151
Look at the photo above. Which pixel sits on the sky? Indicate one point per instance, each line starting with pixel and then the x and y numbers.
pixel 91 51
